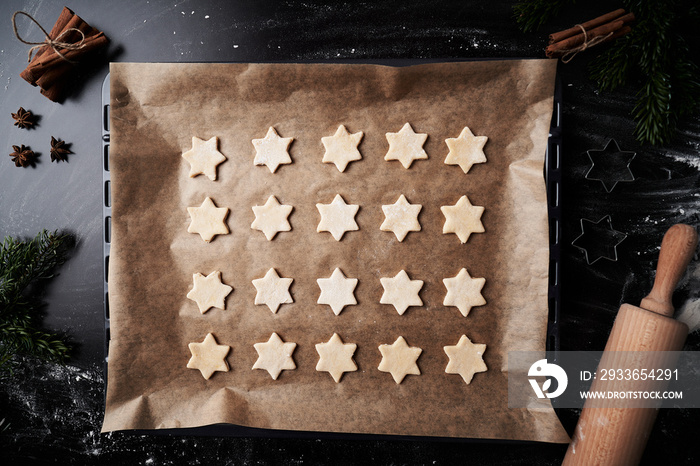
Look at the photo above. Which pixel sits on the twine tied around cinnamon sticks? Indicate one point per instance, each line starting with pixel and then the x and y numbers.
pixel 55 44
pixel 570 54
pixel 567 44
pixel 55 63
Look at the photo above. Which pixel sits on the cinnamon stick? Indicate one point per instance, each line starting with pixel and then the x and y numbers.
pixel 54 72
pixel 61 24
pixel 594 23
pixel 620 32
pixel 600 34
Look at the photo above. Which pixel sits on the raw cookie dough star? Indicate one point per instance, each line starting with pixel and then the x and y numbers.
pixel 336 357
pixel 271 217
pixel 204 157
pixel 464 292
pixel 274 356
pixel 341 148
pixel 399 359
pixel 466 358
pixel 209 291
pixel 466 150
pixel 208 356
pixel 406 146
pixel 401 217
pixel 272 150
pixel 462 219
pixel 337 217
pixel 273 290
pixel 401 292
pixel 337 291
pixel 208 220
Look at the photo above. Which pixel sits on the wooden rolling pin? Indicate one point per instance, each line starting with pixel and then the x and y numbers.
pixel 608 435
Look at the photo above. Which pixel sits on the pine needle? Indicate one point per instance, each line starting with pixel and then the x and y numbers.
pixel 23 264
pixel 533 14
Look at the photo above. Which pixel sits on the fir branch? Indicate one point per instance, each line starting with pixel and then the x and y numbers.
pixel 612 68
pixel 687 82
pixel 38 343
pixel 532 14
pixel 655 121
pixel 23 264
pixel 655 57
pixel 668 77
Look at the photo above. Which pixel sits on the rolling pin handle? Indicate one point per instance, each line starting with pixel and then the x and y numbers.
pixel 677 248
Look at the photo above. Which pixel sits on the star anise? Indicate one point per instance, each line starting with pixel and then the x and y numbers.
pixel 23 118
pixel 22 156
pixel 59 151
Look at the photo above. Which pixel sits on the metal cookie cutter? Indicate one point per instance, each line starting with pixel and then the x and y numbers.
pixel 610 165
pixel 599 240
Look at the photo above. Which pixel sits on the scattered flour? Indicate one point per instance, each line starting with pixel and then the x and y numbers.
pixel 689 312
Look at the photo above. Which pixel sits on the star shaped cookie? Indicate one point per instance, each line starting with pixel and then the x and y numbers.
pixel 337 217
pixel 466 150
pixel 401 292
pixel 272 150
pixel 466 359
pixel 341 148
pixel 204 157
pixel 208 356
pixel 406 146
pixel 464 292
pixel 336 357
pixel 209 291
pixel 399 359
pixel 271 218
pixel 462 219
pixel 337 291
pixel 272 290
pixel 208 220
pixel 274 356
pixel 401 217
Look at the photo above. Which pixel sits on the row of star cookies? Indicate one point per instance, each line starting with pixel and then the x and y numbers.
pixel 337 218
pixel 405 146
pixel 336 357
pixel 338 291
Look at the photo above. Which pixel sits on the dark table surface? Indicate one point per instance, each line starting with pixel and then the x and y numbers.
pixel 55 412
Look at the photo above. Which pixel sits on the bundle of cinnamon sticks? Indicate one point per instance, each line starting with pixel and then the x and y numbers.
pixel 593 32
pixel 52 68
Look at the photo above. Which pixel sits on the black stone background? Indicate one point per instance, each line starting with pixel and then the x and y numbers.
pixel 55 412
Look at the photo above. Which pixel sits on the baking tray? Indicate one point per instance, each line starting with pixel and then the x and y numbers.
pixel 552 176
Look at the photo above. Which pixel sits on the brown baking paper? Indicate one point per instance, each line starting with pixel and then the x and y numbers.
pixel 155 111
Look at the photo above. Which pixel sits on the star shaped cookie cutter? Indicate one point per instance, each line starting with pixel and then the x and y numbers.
pixel 599 240
pixel 610 165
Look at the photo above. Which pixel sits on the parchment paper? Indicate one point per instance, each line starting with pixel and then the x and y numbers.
pixel 155 111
